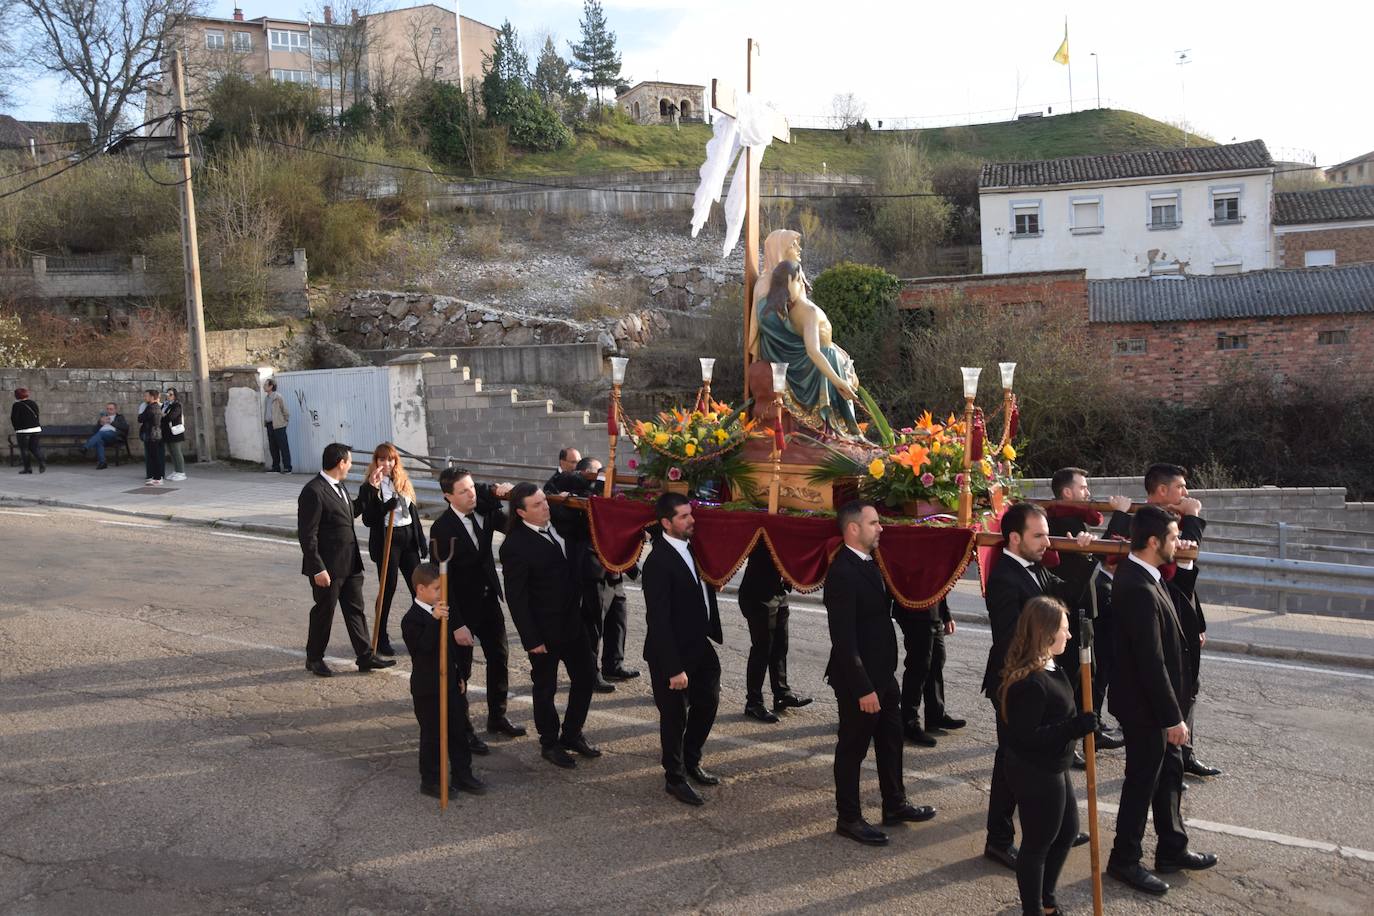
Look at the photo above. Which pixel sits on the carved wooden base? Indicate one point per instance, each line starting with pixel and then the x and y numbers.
pixel 795 491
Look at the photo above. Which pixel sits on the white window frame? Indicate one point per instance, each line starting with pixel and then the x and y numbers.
pixel 1166 269
pixel 1227 193
pixel 1162 199
pixel 1320 259
pixel 1226 267
pixel 280 75
pixel 288 40
pixel 1026 207
pixel 245 39
pixel 213 35
pixel 1074 204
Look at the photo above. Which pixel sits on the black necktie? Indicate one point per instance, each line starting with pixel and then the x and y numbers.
pixel 476 529
pixel 549 534
pixel 1037 572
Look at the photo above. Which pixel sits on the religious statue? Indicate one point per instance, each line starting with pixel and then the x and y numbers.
pixel 789 328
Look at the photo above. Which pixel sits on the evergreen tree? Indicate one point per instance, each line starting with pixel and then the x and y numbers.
pixel 552 77
pixel 595 56
pixel 505 74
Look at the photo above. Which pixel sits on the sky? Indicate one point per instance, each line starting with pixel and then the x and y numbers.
pixel 1295 78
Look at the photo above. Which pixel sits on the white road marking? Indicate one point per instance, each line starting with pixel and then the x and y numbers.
pixel 105 521
pixel 252 537
pixel 17 512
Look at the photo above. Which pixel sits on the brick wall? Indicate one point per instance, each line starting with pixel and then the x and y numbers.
pixel 1352 245
pixel 1050 288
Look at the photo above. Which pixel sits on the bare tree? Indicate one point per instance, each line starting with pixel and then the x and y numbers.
pixel 425 51
pixel 847 109
pixel 344 51
pixel 8 59
pixel 111 51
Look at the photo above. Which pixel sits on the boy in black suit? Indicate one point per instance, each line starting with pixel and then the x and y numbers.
pixel 420 628
pixel 862 671
pixel 684 670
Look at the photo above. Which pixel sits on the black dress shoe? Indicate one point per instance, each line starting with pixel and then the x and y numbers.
pixel 948 722
pixel 790 700
pixel 1081 839
pixel 384 648
pixel 558 757
pixel 760 712
pixel 466 782
pixel 429 788
pixel 579 745
pixel 101 466
pixel 319 668
pixel 861 831
pixel 917 736
pixel 684 793
pixel 1004 855
pixel 477 745
pixel 504 726
pixel 1079 763
pixel 619 673
pixel 1187 861
pixel 1138 877
pixel 908 814
pixel 1106 741
pixel 1194 767
pixel 601 685
pixel 373 663
pixel 702 777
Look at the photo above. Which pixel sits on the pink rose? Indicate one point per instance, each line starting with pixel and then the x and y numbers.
pixel 632 464
pixel 959 479
pixel 927 479
pixel 907 430
pixel 674 474
pixel 903 448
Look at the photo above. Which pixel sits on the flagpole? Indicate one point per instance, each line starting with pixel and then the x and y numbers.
pixel 1068 64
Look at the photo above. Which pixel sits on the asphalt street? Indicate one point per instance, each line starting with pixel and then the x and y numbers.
pixel 164 751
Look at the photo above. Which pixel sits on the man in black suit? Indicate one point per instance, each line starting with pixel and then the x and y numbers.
pixel 545 603
pixel 1166 486
pixel 923 675
pixel 1149 699
pixel 1017 576
pixel 862 672
pixel 330 558
pixel 763 602
pixel 684 670
pixel 474 514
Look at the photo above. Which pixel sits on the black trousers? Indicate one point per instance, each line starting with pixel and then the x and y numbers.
pixel 615 622
pixel 576 656
pixel 427 715
pixel 1104 636
pixel 767 648
pixel 154 460
pixel 1049 824
pixel 685 716
pixel 405 556
pixel 1154 779
pixel 1001 794
pixel 858 730
pixel 279 448
pixel 924 674
pixel 489 629
pixel 347 593
pixel 29 444
pixel 591 613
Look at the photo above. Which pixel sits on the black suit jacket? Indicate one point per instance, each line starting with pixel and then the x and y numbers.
pixel 324 526
pixel 543 590
pixel 1151 683
pixel 681 621
pixel 1010 586
pixel 858 609
pixel 1075 569
pixel 374 514
pixel 572 525
pixel 474 589
pixel 761 582
pixel 420 630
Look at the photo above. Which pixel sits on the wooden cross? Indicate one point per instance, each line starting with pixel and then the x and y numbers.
pixel 725 99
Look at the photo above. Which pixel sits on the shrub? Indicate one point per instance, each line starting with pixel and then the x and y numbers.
pixel 348 237
pixel 243 108
pixel 860 300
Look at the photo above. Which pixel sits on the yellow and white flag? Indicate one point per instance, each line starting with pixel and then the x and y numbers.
pixel 1062 55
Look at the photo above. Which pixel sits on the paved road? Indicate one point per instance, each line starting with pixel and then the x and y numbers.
pixel 164 751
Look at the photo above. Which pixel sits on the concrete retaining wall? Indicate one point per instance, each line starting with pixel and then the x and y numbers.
pixel 540 364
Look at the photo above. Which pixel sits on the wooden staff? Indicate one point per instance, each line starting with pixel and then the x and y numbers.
pixel 1097 505
pixel 1085 674
pixel 1099 547
pixel 443 670
pixel 381 587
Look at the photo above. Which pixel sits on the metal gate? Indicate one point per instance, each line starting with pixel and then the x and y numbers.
pixel 352 406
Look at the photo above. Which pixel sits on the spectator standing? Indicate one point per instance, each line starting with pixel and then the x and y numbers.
pixel 150 432
pixel 387 491
pixel 27 429
pixel 174 432
pixel 110 427
pixel 275 417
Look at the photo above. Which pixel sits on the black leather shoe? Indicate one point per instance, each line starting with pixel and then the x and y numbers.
pixel 373 663
pixel 702 777
pixel 477 745
pixel 1003 855
pixel 949 723
pixel 684 793
pixel 1106 741
pixel 1138 877
pixel 790 700
pixel 1078 762
pixel 1081 839
pixel 558 757
pixel 1188 861
pixel 579 745
pixel 861 831
pixel 1194 767
pixel 917 736
pixel 504 726
pixel 908 814
pixel 601 685
pixel 102 466
pixel 760 712
pixel 429 788
pixel 619 673
pixel 466 782
pixel 319 668
pixel 384 648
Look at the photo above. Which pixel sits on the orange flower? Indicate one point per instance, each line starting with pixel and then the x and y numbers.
pixel 919 457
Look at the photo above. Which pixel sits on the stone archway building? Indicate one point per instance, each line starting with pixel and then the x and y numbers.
pixel 654 102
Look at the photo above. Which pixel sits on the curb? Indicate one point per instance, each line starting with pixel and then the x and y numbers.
pixel 219 523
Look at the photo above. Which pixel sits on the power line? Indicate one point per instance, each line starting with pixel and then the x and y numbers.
pixel 90 153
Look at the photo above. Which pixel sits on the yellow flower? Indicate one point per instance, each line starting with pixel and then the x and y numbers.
pixel 987 467
pixel 660 438
pixel 711 418
pixel 701 432
pixel 1009 453
pixel 721 436
pixel 743 416
pixel 689 449
pixel 876 468
pixel 935 448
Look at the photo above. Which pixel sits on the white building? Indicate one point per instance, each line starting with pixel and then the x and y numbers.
pixel 1203 210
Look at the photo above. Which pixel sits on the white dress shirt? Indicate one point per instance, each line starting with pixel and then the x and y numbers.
pixel 401 514
pixel 681 547
pixel 563 548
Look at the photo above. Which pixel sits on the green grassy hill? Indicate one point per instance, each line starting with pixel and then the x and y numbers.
pixel 637 147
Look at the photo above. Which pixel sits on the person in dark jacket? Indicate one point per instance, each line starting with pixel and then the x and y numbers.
pixel 572 526
pixel 763 602
pixel 420 628
pixel 27 429
pixel 387 490
pixel 923 676
pixel 150 432
pixel 1043 725
pixel 174 432
pixel 110 427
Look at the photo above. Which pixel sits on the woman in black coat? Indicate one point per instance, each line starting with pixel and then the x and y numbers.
pixel 174 432
pixel 150 432
pixel 27 429
pixel 387 490
pixel 1043 724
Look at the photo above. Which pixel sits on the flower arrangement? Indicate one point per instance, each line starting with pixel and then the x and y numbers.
pixel 700 446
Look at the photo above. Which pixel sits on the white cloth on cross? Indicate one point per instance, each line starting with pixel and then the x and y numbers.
pixel 753 128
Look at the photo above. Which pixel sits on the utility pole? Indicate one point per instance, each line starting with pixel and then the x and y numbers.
pixel 458 20
pixel 1097 71
pixel 1184 58
pixel 202 407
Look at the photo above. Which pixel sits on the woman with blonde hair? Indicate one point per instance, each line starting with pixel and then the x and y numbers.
pixel 1043 724
pixel 387 491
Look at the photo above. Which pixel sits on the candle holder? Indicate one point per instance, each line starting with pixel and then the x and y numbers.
pixel 779 385
pixel 1008 371
pixel 613 419
pixel 707 366
pixel 966 488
